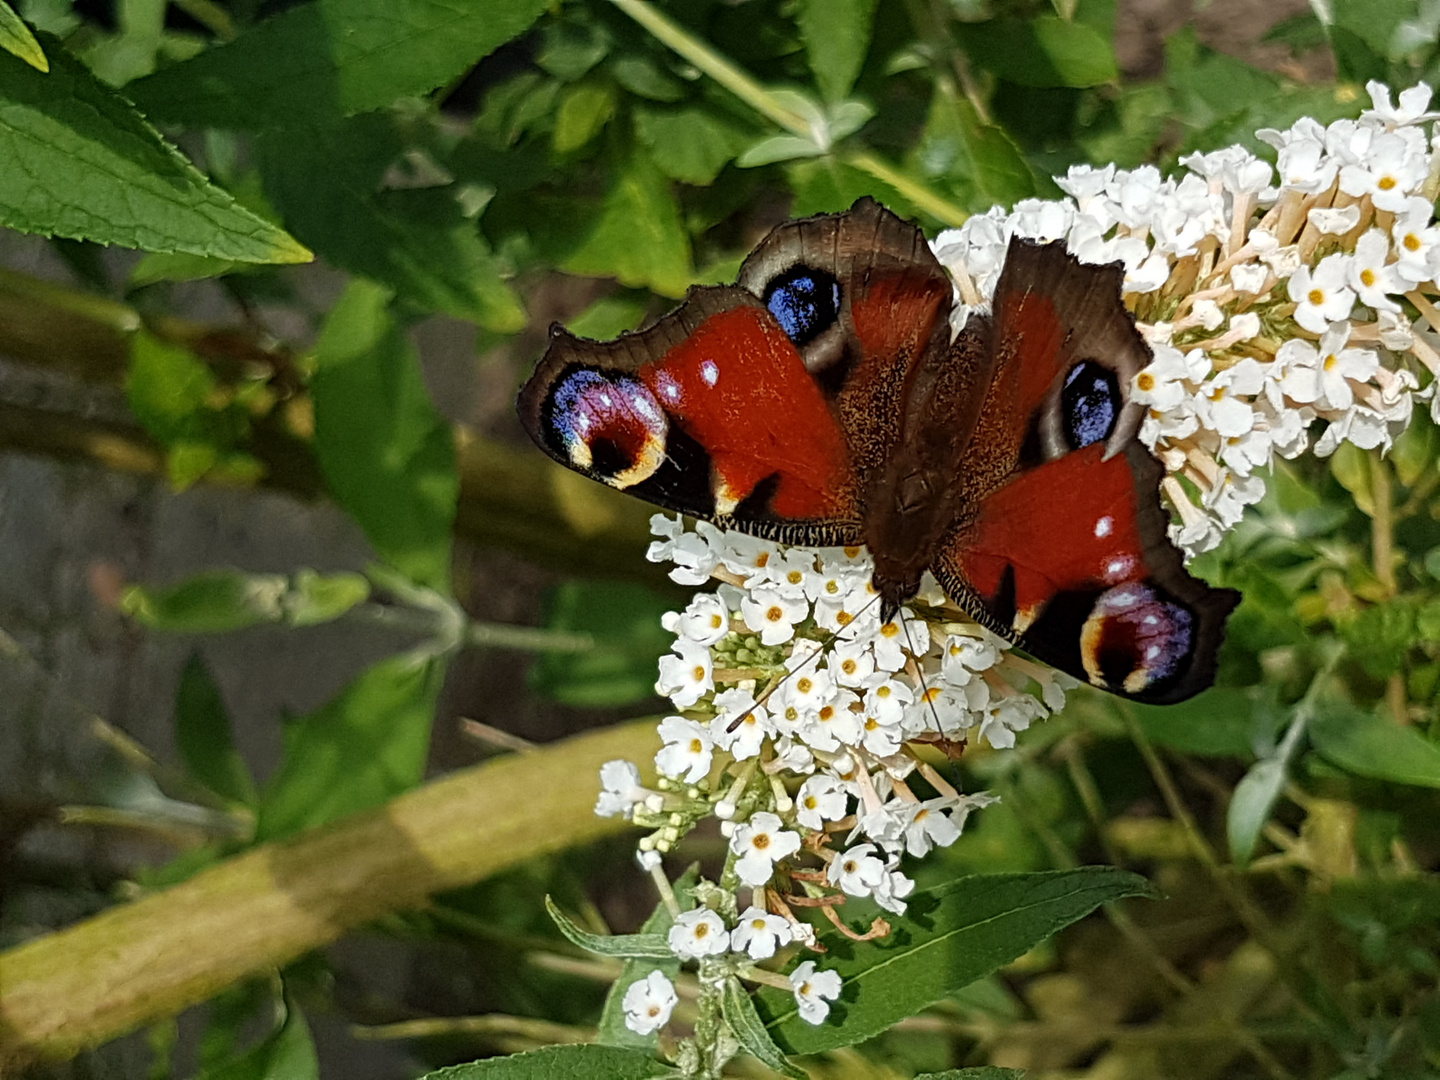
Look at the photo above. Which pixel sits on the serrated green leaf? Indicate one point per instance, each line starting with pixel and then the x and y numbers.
pixel 630 946
pixel 387 456
pixel 213 602
pixel 624 620
pixel 584 1062
pixel 1045 51
pixel 738 1008
pixel 204 738
pixel 331 58
pixel 638 237
pixel 16 39
pixel 691 144
pixel 612 1030
pixel 288 1054
pixel 420 242
pixel 76 160
pixel 954 934
pixel 1375 746
pixel 363 747
pixel 836 34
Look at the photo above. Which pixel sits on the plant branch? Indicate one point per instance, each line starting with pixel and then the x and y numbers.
pixel 143 961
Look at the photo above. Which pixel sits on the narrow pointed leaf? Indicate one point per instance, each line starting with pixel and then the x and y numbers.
pixel 16 39
pixel 738 1008
pixel 77 160
pixel 1368 744
pixel 954 934
pixel 204 736
pixel 585 1062
pixel 633 946
pixel 837 37
pixel 612 1030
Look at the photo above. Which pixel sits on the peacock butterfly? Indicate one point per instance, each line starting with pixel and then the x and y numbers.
pixel 821 401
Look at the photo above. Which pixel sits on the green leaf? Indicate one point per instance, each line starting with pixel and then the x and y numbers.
pixel 388 457
pixel 363 747
pixel 583 112
pixel 984 1072
pixel 584 1062
pixel 610 316
pixel 630 946
pixel 837 37
pixel 1250 806
pixel 738 1008
pixel 420 242
pixel 213 602
pixel 155 267
pixel 612 1030
pixel 204 737
pixel 624 620
pixel 1376 746
pixel 954 934
pixel 638 237
pixel 1220 722
pixel 1381 636
pixel 977 160
pixel 76 160
pixel 16 39
pixel 221 600
pixel 691 144
pixel 1044 51
pixel 288 1054
pixel 331 58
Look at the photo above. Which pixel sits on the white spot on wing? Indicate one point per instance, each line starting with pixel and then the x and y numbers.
pixel 1104 527
pixel 710 372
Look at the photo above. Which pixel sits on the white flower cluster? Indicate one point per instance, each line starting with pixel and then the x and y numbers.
pixel 799 712
pixel 1268 306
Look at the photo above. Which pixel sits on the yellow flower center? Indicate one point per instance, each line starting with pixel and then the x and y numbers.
pixel 1145 381
pixel 761 841
pixel 696 746
pixel 804 685
pixel 1386 183
pixel 890 629
pixel 848 666
pixel 1367 277
pixel 775 613
pixel 1331 361
pixel 699 673
pixel 795 577
pixel 1316 296
pixel 1411 242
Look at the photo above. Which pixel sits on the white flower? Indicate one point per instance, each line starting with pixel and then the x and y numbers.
pixel 761 842
pixel 886 698
pixel 687 751
pixel 1394 167
pixel 1322 297
pixel 1371 276
pixel 851 662
pixel 698 932
pixel 821 798
pixel 881 739
pixel 1414 104
pixel 1321 376
pixel 648 1003
pixel 750 734
pixel 694 554
pixel 834 723
pixel 1010 714
pixel 857 871
pixel 759 933
pixel 892 889
pixel 688 677
pixel 621 791
pixel 812 988
pixel 747 556
pixel 704 622
pixel 773 615
pixel 901 634
pixel 930 826
pixel 1415 238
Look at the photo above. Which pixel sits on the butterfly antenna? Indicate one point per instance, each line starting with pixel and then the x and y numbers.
pixel 919 671
pixel 825 643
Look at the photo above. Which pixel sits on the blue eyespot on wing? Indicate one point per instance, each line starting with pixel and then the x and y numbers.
pixel 1090 404
pixel 805 302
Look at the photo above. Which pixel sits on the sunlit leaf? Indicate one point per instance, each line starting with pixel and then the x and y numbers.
pixel 953 934
pixel 77 160
pixel 16 39
pixel 585 1062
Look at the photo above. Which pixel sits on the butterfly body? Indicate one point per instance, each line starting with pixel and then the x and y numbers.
pixel 821 401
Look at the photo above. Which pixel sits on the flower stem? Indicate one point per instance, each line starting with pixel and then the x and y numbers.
pixel 748 90
pixel 1382 554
